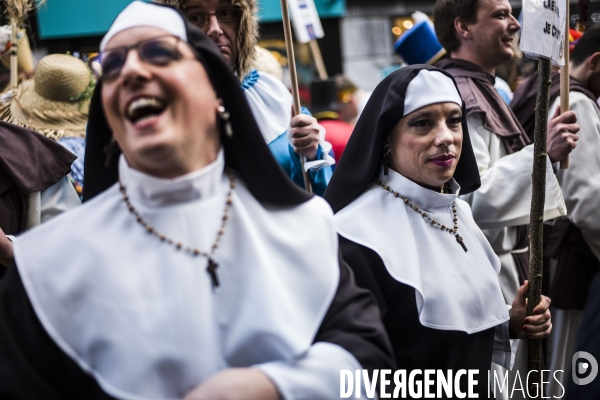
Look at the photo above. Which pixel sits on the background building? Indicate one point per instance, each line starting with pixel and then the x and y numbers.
pixel 359 34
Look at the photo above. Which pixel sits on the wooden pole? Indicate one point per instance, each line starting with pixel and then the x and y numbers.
pixel 318 58
pixel 14 65
pixel 17 11
pixel 24 55
pixel 289 46
pixel 564 80
pixel 538 198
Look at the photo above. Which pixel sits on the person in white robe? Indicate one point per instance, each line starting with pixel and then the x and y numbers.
pixel 581 189
pixel 478 37
pixel 571 243
pixel 195 277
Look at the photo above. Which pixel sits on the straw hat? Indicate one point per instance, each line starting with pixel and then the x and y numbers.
pixel 56 101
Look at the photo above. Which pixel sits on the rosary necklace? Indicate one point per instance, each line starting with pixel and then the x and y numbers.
pixel 453 231
pixel 193 251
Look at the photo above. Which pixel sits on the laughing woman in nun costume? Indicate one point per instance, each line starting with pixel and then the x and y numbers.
pixel 412 241
pixel 191 277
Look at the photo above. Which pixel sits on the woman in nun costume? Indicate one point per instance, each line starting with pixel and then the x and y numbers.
pixel 410 239
pixel 191 276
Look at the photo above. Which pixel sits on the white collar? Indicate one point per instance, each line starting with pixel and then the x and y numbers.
pixel 454 289
pixel 151 191
pixel 128 304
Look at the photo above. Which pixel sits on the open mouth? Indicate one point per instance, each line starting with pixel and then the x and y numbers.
pixel 508 41
pixel 144 108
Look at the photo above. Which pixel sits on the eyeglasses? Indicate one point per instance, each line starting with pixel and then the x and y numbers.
pixel 156 51
pixel 225 16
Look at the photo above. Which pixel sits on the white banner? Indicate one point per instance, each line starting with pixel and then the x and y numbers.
pixel 305 18
pixel 543 30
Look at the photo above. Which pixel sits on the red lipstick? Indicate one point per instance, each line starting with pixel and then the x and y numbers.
pixel 445 160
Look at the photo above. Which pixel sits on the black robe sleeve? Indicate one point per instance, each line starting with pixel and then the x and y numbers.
pixel 353 322
pixel 588 340
pixel 31 364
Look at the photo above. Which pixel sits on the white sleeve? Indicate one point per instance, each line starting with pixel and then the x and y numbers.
pixel 270 102
pixel 581 181
pixel 57 199
pixel 326 160
pixel 316 376
pixel 504 198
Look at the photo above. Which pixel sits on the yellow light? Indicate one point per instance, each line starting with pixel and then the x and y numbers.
pixel 396 31
pixel 407 24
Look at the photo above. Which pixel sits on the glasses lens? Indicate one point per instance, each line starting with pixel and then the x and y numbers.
pixel 112 62
pixel 229 14
pixel 199 19
pixel 159 51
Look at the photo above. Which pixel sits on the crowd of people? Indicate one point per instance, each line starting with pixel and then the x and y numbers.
pixel 200 267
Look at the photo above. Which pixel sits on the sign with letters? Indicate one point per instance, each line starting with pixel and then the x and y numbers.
pixel 307 25
pixel 543 30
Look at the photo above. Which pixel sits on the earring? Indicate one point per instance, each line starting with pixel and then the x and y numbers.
pixel 224 116
pixel 385 161
pixel 111 149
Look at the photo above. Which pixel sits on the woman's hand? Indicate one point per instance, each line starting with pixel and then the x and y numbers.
pixel 304 135
pixel 536 326
pixel 6 250
pixel 236 384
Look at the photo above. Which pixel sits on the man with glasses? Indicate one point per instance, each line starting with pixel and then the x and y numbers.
pixel 233 27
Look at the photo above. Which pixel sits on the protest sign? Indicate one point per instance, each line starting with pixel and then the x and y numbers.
pixel 305 19
pixel 543 31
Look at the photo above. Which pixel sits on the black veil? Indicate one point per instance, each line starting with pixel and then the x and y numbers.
pixel 361 160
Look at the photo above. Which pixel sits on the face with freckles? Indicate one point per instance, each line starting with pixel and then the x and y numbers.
pixel 222 33
pixel 425 145
pixel 164 126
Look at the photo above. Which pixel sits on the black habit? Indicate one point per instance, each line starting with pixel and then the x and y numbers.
pixel 33 366
pixel 415 345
